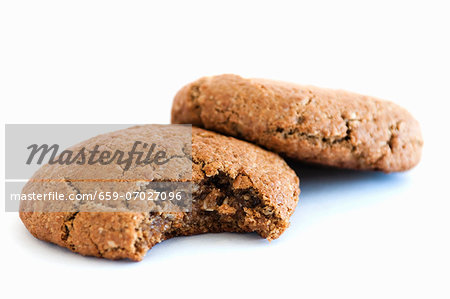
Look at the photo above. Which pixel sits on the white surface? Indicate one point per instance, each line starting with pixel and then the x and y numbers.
pixel 353 234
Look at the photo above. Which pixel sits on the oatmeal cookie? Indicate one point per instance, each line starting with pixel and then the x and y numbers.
pixel 237 187
pixel 317 125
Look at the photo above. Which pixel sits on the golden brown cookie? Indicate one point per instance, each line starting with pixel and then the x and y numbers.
pixel 237 187
pixel 330 127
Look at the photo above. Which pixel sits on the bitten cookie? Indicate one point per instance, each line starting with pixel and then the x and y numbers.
pixel 317 125
pixel 237 187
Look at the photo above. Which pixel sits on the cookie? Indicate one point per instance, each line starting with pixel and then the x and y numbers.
pixel 237 187
pixel 306 123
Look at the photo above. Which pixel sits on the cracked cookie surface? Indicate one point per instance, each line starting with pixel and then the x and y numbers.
pixel 238 187
pixel 317 125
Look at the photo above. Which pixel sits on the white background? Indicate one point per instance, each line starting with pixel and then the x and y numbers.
pixel 353 234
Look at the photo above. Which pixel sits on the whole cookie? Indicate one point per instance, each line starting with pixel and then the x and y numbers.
pixel 329 127
pixel 237 187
